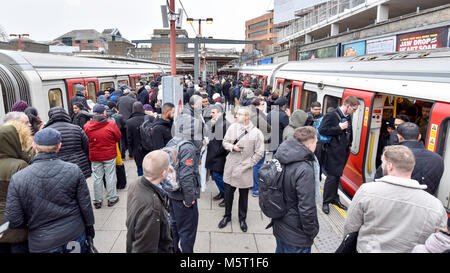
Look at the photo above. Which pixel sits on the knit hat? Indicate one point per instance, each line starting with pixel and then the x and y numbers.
pixel 99 108
pixel 102 100
pixel 19 106
pixel 47 137
pixel 281 101
pixel 79 88
pixel 148 107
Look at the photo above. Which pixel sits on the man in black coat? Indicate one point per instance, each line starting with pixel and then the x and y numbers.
pixel 336 124
pixel 216 153
pixel 429 166
pixel 75 143
pixel 51 199
pixel 295 231
pixel 143 95
pixel 133 134
pixel 125 107
pixel 162 126
pixel 278 120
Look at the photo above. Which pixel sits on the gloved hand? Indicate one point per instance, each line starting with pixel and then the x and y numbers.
pixel 90 232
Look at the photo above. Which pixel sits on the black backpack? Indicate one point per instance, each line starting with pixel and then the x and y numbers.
pixel 271 193
pixel 145 131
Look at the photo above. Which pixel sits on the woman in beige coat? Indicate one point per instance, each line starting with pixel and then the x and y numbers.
pixel 246 145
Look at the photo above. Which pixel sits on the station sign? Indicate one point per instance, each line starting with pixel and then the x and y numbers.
pixel 381 45
pixel 354 49
pixel 423 40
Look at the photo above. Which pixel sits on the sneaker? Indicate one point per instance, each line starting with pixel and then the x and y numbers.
pixel 255 193
pixel 98 205
pixel 110 204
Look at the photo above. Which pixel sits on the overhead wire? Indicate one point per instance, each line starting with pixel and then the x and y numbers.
pixel 187 16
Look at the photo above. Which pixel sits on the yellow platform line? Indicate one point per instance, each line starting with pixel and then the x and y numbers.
pixel 341 211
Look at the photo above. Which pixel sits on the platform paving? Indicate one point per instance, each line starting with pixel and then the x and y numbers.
pixel 111 230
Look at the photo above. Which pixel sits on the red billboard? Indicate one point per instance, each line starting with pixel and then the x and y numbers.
pixel 422 40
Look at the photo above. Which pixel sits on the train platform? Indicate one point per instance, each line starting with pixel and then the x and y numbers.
pixel 111 230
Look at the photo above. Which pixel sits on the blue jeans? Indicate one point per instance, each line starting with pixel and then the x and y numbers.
pixel 256 175
pixel 77 245
pixel 140 171
pixel 285 248
pixel 218 178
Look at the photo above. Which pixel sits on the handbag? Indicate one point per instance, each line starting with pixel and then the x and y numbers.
pixel 348 245
pixel 90 245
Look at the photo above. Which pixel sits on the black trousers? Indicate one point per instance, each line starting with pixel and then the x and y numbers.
pixel 183 224
pixel 330 189
pixel 243 201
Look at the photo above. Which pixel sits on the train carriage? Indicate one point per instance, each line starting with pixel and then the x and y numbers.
pixel 46 80
pixel 382 83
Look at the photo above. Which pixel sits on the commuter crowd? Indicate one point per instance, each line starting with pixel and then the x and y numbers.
pixel 262 147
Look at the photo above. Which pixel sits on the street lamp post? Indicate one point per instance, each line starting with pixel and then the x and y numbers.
pixel 20 38
pixel 208 21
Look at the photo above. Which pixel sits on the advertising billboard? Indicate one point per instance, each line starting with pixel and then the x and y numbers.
pixel 423 40
pixel 325 52
pixel 381 45
pixel 355 49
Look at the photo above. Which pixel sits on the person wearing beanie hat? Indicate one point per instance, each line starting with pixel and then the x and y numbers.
pixel 79 97
pixel 31 199
pixel 19 106
pixel 103 135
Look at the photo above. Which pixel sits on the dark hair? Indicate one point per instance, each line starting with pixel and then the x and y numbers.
pixel 403 117
pixel 258 92
pixel 315 104
pixel 427 105
pixel 138 107
pixel 111 104
pixel 167 107
pixel 409 131
pixel 256 101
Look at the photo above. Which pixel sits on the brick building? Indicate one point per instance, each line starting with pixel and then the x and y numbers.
pixel 261 29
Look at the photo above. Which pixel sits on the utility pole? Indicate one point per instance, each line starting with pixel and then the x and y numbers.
pixel 173 51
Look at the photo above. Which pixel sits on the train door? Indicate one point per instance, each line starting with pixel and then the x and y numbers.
pixel 71 86
pixel 264 83
pixel 92 88
pixel 438 140
pixel 354 174
pixel 280 84
pixel 296 95
pixel 134 79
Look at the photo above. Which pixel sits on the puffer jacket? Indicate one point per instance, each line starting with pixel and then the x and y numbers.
pixel 299 226
pixel 103 135
pixel 298 119
pixel 12 160
pixel 51 198
pixel 75 144
pixel 148 227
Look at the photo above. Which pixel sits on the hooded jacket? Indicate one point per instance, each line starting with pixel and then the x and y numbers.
pixel 299 226
pixel 75 144
pixel 12 160
pixel 162 133
pixel 125 106
pixel 298 119
pixel 134 137
pixel 103 135
pixel 79 98
pixel 143 96
pixel 278 120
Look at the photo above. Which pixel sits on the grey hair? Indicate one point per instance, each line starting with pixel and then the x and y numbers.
pixel 195 99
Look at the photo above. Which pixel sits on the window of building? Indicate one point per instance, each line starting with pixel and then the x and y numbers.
pixel 259 33
pixel 77 42
pixel 105 85
pixel 55 97
pixel 92 92
pixel 357 125
pixel 257 25
pixel 330 101
pixel 90 41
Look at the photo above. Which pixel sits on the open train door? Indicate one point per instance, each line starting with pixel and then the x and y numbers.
pixel 438 140
pixel 296 95
pixel 280 86
pixel 91 85
pixel 355 169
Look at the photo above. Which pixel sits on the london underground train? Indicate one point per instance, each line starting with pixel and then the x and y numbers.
pixel 46 80
pixel 386 85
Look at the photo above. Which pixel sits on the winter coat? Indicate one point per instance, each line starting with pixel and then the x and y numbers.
pixel 12 160
pixel 79 98
pixel 298 119
pixel 259 120
pixel 188 171
pixel 143 96
pixel 312 118
pixel 75 144
pixel 278 120
pixel 162 133
pixel 134 137
pixel 148 227
pixel 238 170
pixel 216 154
pixel 338 149
pixel 81 118
pixel 429 166
pixel 51 198
pixel 299 226
pixel 393 214
pixel 103 135
pixel 125 106
pixel 206 112
pixel 437 243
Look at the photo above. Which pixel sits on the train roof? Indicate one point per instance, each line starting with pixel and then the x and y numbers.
pixel 51 67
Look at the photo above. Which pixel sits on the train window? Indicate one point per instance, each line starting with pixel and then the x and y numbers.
pixel 123 82
pixel 330 101
pixel 55 97
pixel 92 91
pixel 105 85
pixel 307 98
pixel 357 126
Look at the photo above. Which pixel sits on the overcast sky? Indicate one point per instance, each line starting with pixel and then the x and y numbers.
pixel 46 20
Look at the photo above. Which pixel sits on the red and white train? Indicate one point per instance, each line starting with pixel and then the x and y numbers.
pixel 382 83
